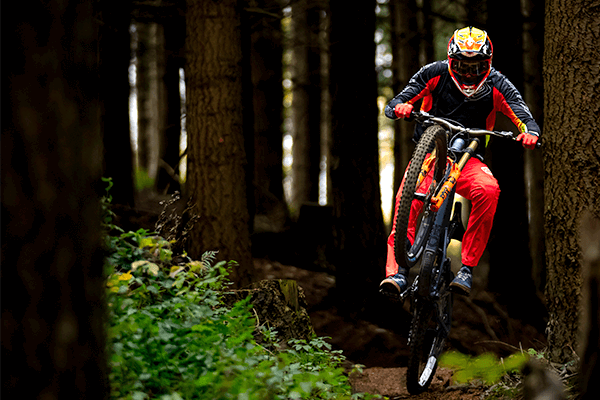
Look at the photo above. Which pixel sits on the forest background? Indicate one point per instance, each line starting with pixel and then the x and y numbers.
pixel 279 140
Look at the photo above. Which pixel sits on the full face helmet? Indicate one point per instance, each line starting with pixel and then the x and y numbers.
pixel 469 59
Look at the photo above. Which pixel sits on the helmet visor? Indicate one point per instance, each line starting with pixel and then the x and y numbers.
pixel 470 72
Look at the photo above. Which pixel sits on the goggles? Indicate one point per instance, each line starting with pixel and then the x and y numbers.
pixel 468 68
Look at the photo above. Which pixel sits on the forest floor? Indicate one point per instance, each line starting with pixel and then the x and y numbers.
pixel 382 350
pixel 378 342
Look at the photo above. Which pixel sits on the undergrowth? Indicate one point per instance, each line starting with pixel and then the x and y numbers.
pixel 506 378
pixel 171 337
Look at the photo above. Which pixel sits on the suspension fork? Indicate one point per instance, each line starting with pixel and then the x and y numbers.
pixel 429 161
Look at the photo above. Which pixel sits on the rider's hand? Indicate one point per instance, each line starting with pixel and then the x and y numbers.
pixel 529 141
pixel 403 110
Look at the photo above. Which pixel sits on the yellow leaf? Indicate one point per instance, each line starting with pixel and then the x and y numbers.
pixel 147 242
pixel 175 270
pixel 125 277
pixel 195 265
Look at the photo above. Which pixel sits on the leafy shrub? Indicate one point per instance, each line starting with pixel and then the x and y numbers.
pixel 171 337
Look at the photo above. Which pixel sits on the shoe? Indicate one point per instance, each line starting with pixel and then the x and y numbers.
pixel 463 281
pixel 394 285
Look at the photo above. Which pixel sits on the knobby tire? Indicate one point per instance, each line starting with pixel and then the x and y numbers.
pixel 420 343
pixel 427 339
pixel 433 137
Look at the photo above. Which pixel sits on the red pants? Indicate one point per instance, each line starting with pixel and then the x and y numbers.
pixel 477 184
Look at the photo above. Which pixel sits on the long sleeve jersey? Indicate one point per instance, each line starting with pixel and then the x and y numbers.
pixel 442 98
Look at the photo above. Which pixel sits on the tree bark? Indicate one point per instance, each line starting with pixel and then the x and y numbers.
pixel 426 29
pixel 510 271
pixel 589 336
pixel 267 75
pixel 533 93
pixel 476 13
pixel 571 158
pixel 53 339
pixel 149 96
pixel 358 220
pixel 168 175
pixel 306 106
pixel 405 49
pixel 217 158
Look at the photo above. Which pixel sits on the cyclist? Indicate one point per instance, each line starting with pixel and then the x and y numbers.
pixel 466 89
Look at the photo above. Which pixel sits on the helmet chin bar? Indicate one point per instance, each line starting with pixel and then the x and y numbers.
pixel 468 90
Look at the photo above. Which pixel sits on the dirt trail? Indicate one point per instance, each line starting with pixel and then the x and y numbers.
pixel 391 382
pixel 382 349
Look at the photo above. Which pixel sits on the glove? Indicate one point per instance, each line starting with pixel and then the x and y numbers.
pixel 403 110
pixel 529 141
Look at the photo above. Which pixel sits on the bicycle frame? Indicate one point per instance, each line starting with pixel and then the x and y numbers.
pixel 443 194
pixel 440 235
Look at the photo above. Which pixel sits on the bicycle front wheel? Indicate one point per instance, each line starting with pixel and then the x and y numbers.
pixel 428 332
pixel 431 152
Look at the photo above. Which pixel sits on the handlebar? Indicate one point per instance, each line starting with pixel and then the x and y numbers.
pixel 422 116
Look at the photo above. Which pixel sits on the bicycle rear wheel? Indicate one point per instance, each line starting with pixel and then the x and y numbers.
pixel 434 137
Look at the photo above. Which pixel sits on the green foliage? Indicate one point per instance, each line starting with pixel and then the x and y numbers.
pixel 539 355
pixel 486 367
pixel 127 250
pixel 107 214
pixel 171 337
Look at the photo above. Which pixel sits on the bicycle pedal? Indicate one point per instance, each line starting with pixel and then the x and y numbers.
pixel 460 290
pixel 392 296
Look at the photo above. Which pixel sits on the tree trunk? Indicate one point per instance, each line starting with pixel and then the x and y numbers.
pixel 53 343
pixel 533 93
pixel 306 106
pixel 217 159
pixel 476 13
pixel 405 49
pixel 589 333
pixel 114 57
pixel 267 74
pixel 358 221
pixel 426 30
pixel 571 158
pixel 168 174
pixel 149 96
pixel 510 271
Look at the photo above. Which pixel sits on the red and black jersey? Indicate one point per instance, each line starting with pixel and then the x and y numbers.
pixel 442 98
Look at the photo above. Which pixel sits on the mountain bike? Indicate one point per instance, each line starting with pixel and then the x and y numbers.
pixel 443 150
